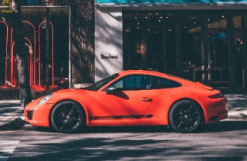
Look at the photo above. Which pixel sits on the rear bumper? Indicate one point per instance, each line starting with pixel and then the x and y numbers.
pixel 218 116
pixel 215 110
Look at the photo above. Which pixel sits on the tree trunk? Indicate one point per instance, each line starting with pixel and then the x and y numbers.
pixel 21 52
pixel 82 39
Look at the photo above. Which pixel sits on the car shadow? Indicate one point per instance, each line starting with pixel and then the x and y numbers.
pixel 222 126
pixel 111 129
pixel 225 126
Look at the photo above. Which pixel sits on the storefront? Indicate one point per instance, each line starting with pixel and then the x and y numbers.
pixel 35 37
pixel 201 41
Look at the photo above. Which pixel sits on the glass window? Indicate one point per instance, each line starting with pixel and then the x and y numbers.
pixel 133 82
pixel 159 83
pixel 102 82
pixel 34 32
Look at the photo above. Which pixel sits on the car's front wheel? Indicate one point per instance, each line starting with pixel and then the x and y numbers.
pixel 67 117
pixel 185 116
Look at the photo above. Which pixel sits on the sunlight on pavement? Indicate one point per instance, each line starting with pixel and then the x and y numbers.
pixel 7 148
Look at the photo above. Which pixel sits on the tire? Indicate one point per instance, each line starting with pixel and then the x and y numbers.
pixel 67 117
pixel 186 116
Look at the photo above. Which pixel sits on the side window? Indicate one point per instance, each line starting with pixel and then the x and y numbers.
pixel 133 82
pixel 159 83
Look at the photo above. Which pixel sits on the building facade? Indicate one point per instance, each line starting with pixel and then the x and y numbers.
pixel 202 41
pixel 71 43
pixel 198 40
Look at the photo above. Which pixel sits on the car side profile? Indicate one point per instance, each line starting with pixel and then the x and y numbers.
pixel 130 98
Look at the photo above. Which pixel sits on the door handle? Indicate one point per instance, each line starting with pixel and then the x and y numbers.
pixel 146 99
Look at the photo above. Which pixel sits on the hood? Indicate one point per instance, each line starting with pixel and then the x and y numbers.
pixel 70 93
pixel 67 90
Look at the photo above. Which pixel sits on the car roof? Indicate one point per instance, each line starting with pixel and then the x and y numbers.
pixel 158 74
pixel 149 72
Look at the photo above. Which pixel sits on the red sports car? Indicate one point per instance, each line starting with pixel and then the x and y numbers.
pixel 130 98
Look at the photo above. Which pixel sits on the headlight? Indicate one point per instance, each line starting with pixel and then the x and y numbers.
pixel 44 99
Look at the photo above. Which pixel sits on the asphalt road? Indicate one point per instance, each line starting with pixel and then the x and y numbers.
pixel 226 140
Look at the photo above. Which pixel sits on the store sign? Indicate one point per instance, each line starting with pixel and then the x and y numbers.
pixel 109 56
pixel 164 1
pixel 108 42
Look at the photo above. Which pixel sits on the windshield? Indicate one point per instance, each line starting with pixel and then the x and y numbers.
pixel 102 82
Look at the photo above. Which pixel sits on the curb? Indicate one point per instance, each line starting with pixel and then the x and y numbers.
pixel 234 115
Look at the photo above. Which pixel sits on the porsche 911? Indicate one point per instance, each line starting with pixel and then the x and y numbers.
pixel 130 98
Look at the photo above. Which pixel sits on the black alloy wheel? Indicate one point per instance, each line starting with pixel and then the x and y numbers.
pixel 67 117
pixel 185 116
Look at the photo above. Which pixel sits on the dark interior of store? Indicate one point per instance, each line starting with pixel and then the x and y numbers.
pixel 152 40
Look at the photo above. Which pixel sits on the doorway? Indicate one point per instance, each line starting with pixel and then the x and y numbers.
pixel 207 46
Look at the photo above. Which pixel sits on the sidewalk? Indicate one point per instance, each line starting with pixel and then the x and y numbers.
pixel 11 114
pixel 237 107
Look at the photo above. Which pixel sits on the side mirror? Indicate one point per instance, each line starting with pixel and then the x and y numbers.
pixel 109 90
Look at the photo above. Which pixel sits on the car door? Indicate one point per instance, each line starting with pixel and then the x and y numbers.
pixel 127 98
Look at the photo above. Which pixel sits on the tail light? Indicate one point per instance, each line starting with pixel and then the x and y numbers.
pixel 218 95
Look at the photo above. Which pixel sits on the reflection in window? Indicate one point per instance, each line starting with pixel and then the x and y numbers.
pixel 133 82
pixel 159 83
pixel 144 82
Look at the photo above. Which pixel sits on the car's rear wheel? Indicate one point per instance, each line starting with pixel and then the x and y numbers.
pixel 67 117
pixel 185 116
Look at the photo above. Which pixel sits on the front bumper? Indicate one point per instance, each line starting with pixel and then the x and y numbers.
pixel 38 115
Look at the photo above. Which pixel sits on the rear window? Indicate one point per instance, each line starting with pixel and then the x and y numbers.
pixel 159 83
